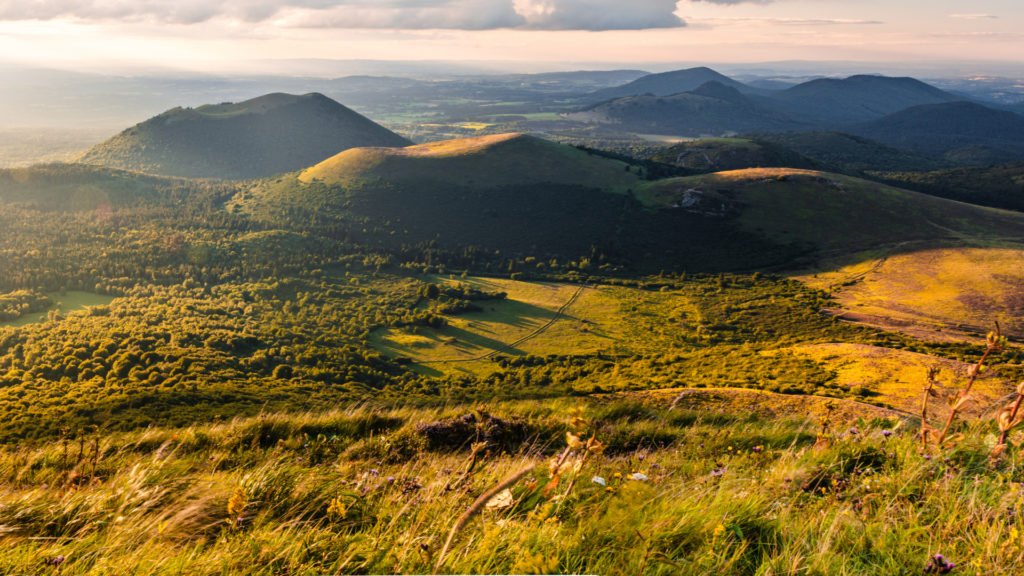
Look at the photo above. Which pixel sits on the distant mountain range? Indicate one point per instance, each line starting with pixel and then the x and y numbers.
pixel 251 139
pixel 709 110
pixel 903 113
pixel 669 83
pixel 834 103
pixel 962 132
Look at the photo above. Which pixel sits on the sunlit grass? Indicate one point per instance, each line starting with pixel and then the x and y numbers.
pixel 676 492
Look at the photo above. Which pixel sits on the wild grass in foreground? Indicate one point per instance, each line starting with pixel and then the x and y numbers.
pixel 670 491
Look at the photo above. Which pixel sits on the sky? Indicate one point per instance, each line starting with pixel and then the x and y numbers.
pixel 224 35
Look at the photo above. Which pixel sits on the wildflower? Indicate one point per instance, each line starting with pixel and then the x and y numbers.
pixel 757 449
pixel 237 502
pixel 854 431
pixel 886 433
pixel 718 471
pixel 411 486
pixel 938 564
pixel 337 508
pixel 599 481
pixel 639 476
pixel 56 561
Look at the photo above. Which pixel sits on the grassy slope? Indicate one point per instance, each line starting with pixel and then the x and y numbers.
pixel 897 377
pixel 835 212
pixel 362 492
pixel 915 262
pixel 506 194
pixel 685 332
pixel 77 186
pixel 487 161
pixel 538 319
pixel 850 153
pixel 1000 186
pixel 936 293
pixel 716 154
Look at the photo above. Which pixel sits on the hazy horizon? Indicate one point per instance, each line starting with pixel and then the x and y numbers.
pixel 269 36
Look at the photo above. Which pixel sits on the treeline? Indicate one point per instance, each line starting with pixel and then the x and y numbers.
pixel 14 305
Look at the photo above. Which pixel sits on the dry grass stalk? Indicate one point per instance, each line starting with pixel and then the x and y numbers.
pixel 926 429
pixel 995 341
pixel 476 507
pixel 1009 418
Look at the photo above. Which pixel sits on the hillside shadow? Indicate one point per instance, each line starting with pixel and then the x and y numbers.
pixel 512 313
pixel 481 342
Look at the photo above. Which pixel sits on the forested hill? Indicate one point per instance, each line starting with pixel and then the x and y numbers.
pixel 267 135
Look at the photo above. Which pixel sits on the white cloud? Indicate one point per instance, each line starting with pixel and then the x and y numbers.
pixel 974 16
pixel 795 21
pixel 371 14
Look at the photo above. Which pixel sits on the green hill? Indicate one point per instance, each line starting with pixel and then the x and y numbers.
pixel 999 186
pixel 962 132
pixel 503 196
pixel 78 187
pixel 268 135
pixel 861 98
pixel 712 109
pixel 515 196
pixel 717 154
pixel 830 213
pixel 850 153
pixel 668 83
pixel 487 161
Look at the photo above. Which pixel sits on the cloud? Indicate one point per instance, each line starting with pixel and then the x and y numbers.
pixel 372 14
pixel 975 16
pixel 795 21
pixel 408 15
pixel 599 14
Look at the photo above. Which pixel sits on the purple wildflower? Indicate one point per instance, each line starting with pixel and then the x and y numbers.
pixel 938 564
pixel 886 433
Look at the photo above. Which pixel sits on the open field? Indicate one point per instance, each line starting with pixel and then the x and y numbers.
pixel 897 378
pixel 63 303
pixel 537 318
pixel 943 293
